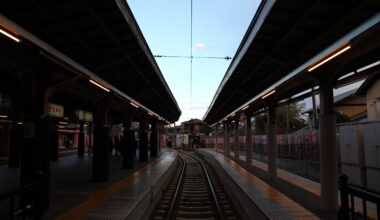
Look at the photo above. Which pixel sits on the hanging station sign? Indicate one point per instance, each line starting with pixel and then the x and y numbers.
pixel 55 110
pixel 84 115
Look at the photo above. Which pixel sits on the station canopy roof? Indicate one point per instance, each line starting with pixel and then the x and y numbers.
pixel 283 36
pixel 103 37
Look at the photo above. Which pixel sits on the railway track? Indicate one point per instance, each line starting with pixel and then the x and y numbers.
pixel 194 193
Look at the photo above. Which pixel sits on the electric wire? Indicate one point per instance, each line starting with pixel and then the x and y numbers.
pixel 197 57
pixel 191 52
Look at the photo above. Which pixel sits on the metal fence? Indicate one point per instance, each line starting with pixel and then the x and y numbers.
pixel 348 193
pixel 301 145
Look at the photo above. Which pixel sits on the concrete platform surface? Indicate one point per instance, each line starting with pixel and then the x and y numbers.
pixel 71 180
pixel 129 198
pixel 272 202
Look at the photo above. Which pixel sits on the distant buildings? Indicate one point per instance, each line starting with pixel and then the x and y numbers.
pixel 359 104
pixel 187 134
pixel 370 91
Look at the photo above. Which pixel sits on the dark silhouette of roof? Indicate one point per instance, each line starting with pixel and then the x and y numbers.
pixel 104 37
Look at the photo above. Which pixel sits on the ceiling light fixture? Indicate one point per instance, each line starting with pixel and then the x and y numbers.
pixel 99 85
pixel 268 94
pixel 134 105
pixel 245 107
pixel 3 116
pixel 329 57
pixel 5 31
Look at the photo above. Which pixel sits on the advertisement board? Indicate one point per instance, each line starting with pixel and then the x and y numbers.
pixel 55 110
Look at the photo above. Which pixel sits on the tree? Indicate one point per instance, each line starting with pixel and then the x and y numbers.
pixel 206 129
pixel 341 118
pixel 260 124
pixel 288 119
pixel 291 112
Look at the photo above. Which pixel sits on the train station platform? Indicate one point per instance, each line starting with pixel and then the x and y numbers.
pixel 299 195
pixel 271 201
pixel 74 195
pixel 129 193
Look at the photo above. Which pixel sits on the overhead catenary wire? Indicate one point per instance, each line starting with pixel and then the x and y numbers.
pixel 193 57
pixel 191 51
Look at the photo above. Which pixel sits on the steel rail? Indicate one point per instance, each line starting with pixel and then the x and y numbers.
pixel 171 209
pixel 217 205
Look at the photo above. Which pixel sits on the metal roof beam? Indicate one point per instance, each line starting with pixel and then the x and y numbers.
pixel 246 47
pixel 57 54
pixel 374 20
pixel 121 47
pixel 124 8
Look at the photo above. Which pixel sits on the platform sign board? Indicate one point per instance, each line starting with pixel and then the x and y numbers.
pixel 84 115
pixel 135 125
pixel 55 110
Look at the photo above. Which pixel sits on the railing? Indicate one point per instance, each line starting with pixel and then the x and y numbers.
pixel 302 145
pixel 34 208
pixel 348 193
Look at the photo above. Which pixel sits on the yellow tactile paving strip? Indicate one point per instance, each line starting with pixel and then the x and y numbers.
pixel 292 207
pixel 302 182
pixel 97 198
pixel 309 185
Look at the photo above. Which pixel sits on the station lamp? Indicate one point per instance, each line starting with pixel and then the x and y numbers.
pixel 268 94
pixel 10 33
pixel 3 116
pixel 134 105
pixel 99 85
pixel 330 56
pixel 245 108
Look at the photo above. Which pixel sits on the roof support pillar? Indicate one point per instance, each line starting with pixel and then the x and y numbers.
pixel 15 145
pixel 143 146
pixel 226 138
pixel 216 137
pixel 35 153
pixel 236 139
pixel 272 145
pixel 229 131
pixel 314 119
pixel 153 139
pixel 248 139
pixel 81 140
pixel 161 132
pixel 128 147
pixel 100 162
pixel 54 147
pixel 328 152
pixel 36 144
